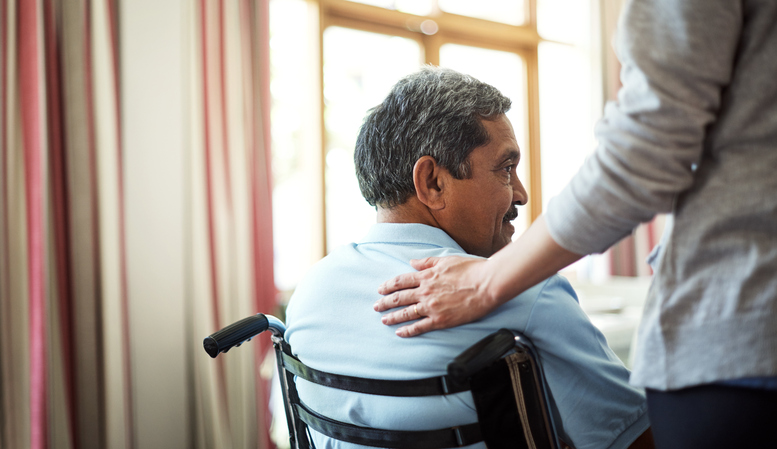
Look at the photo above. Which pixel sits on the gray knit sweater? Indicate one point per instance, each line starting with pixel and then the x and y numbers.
pixel 694 133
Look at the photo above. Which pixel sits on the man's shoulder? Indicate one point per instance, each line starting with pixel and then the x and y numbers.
pixel 383 257
pixel 362 266
pixel 340 258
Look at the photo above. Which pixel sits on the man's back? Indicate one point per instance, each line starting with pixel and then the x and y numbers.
pixel 332 327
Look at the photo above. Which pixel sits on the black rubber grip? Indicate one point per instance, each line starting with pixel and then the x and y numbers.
pixel 235 334
pixel 481 354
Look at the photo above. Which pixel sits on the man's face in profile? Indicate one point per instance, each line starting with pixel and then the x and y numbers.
pixel 479 209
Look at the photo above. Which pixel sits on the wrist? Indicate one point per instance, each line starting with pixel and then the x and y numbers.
pixel 491 289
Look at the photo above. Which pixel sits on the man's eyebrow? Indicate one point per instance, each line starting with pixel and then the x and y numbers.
pixel 511 155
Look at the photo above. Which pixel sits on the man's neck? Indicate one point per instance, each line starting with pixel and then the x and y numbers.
pixel 411 211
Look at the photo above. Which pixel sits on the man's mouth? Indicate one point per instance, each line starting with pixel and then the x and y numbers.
pixel 511 215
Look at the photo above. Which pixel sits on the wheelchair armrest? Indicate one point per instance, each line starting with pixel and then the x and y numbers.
pixel 481 354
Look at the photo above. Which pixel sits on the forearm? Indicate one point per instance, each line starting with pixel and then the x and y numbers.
pixel 652 137
pixel 535 256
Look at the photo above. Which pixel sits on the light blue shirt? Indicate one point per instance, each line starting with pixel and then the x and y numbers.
pixel 333 327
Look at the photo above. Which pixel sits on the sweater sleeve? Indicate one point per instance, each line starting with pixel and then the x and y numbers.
pixel 677 59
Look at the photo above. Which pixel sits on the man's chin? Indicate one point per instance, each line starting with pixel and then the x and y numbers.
pixel 506 237
pixel 507 231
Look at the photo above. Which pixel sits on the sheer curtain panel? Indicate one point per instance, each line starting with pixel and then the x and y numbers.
pixel 158 109
pixel 230 264
pixel 64 355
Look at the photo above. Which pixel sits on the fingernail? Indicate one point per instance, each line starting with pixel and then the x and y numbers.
pixel 384 320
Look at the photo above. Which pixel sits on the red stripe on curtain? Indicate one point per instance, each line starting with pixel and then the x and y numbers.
pixel 29 74
pixel 651 230
pixel 261 179
pixel 61 219
pixel 263 235
pixel 221 376
pixel 224 118
pixel 265 99
pixel 261 192
pixel 125 337
pixel 5 289
pixel 263 416
pixel 208 178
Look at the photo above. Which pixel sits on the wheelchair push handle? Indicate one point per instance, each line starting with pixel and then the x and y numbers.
pixel 481 354
pixel 240 332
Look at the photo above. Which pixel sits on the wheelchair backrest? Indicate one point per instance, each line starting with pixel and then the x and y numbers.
pixel 502 372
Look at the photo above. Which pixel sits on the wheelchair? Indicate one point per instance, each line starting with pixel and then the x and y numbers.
pixel 501 371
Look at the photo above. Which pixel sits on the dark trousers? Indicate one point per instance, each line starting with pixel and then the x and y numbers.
pixel 713 416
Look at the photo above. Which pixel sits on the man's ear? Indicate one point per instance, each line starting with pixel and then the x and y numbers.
pixel 429 181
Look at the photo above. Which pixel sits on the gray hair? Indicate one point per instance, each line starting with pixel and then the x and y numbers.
pixel 434 112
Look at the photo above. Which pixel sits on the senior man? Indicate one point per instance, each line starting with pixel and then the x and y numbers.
pixel 438 161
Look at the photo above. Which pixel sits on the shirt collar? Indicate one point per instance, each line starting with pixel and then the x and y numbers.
pixel 410 233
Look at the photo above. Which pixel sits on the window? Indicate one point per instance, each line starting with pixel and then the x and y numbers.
pixel 352 85
pixel 511 12
pixel 332 60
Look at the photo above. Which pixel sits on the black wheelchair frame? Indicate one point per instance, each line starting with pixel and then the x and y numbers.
pixel 502 371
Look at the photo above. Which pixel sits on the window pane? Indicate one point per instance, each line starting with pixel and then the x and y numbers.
pixel 565 20
pixel 567 114
pixel 352 85
pixel 294 239
pixel 506 72
pixel 505 11
pixel 417 7
pixel 570 104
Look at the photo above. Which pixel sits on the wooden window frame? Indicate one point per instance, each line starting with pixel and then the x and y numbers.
pixel 522 40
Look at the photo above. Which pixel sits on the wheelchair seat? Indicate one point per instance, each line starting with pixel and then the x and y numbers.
pixel 501 371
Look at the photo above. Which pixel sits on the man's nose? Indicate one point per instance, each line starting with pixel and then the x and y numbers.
pixel 520 196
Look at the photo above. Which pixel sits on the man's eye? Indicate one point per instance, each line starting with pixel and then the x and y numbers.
pixel 509 168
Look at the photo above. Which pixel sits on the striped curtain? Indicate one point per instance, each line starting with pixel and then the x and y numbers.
pixel 66 350
pixel 231 258
pixel 64 355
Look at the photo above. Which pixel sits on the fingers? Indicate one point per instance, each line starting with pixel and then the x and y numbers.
pixel 417 328
pixel 397 299
pixel 401 282
pixel 402 315
pixel 425 310
pixel 413 279
pixel 422 325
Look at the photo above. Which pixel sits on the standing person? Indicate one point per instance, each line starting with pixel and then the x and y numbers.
pixel 694 133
